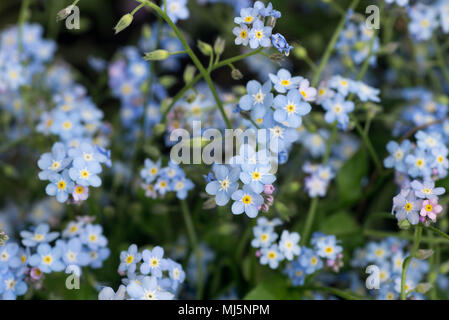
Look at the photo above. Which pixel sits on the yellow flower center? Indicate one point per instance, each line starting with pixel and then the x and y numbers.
pixel 285 82
pixel 79 190
pixel 154 262
pixel 271 255
pixel 429 208
pixel 129 259
pixel 248 19
pixel 62 184
pixel 84 174
pixel 47 259
pixel 67 125
pixel 247 199
pixel 243 34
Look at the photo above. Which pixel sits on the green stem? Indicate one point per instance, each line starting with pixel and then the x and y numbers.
pixel 194 245
pixel 439 232
pixel 368 144
pixel 22 18
pixel 309 220
pixel 189 85
pixel 331 45
pixel 193 56
pixel 440 59
pixel 408 260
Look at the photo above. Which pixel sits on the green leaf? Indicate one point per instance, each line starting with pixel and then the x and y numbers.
pixel 350 176
pixel 339 223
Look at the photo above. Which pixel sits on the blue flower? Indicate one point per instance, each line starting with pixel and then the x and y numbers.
pixel 55 161
pixel 290 108
pixel 296 273
pixel 342 85
pixel 419 164
pixel 151 170
pixel 259 35
pixel 61 186
pixel 256 176
pixel 40 235
pixel 85 173
pixel 177 275
pixel 247 16
pixel 12 286
pixel 426 190
pixel 328 248
pixel 93 237
pixel 153 262
pixel 9 256
pixel 309 260
pixel 177 10
pixel 47 259
pixel 289 244
pixel 182 186
pixel 271 256
pixel 397 155
pixel 86 154
pixel 73 253
pixel 337 109
pixel 225 183
pixel 258 99
pixel 148 289
pixel 284 81
pixel 129 259
pixel 247 201
pixel 423 21
pixel 242 35
pixel 281 44
pixel 264 236
pixel 97 256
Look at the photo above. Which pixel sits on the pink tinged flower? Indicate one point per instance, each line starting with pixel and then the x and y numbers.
pixel 258 253
pixel 35 274
pixel 430 208
pixel 80 193
pixel 268 189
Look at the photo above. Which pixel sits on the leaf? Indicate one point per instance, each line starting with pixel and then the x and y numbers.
pixel 349 178
pixel 339 223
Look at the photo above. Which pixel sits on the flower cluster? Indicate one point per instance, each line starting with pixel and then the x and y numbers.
pixel 425 19
pixel 427 159
pixel 250 168
pixel 418 202
pixel 149 276
pixel 356 41
pixel 71 171
pixel 335 97
pixel 301 260
pixel 320 176
pixel 81 244
pixel 388 255
pixel 158 181
pixel 252 29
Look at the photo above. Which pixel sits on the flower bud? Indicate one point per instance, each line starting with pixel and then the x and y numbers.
pixel 300 52
pixel 123 23
pixel 159 129
pixel 236 74
pixel 64 13
pixel 423 254
pixel 189 73
pixel 404 224
pixel 219 46
pixel 157 55
pixel 205 48
pixel 423 287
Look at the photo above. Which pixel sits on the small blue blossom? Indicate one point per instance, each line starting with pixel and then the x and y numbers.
pixel 247 201
pixel 129 259
pixel 288 244
pixel 47 259
pixel 271 256
pixel 225 183
pixel 153 262
pixel 259 35
pixel 39 235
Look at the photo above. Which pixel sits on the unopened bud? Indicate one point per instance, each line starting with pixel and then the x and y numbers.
pixel 64 13
pixel 167 81
pixel 219 46
pixel 123 23
pixel 205 48
pixel 423 287
pixel 157 55
pixel 191 97
pixel 236 74
pixel 404 224
pixel 423 254
pixel 189 73
pixel 300 52
pixel 159 129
